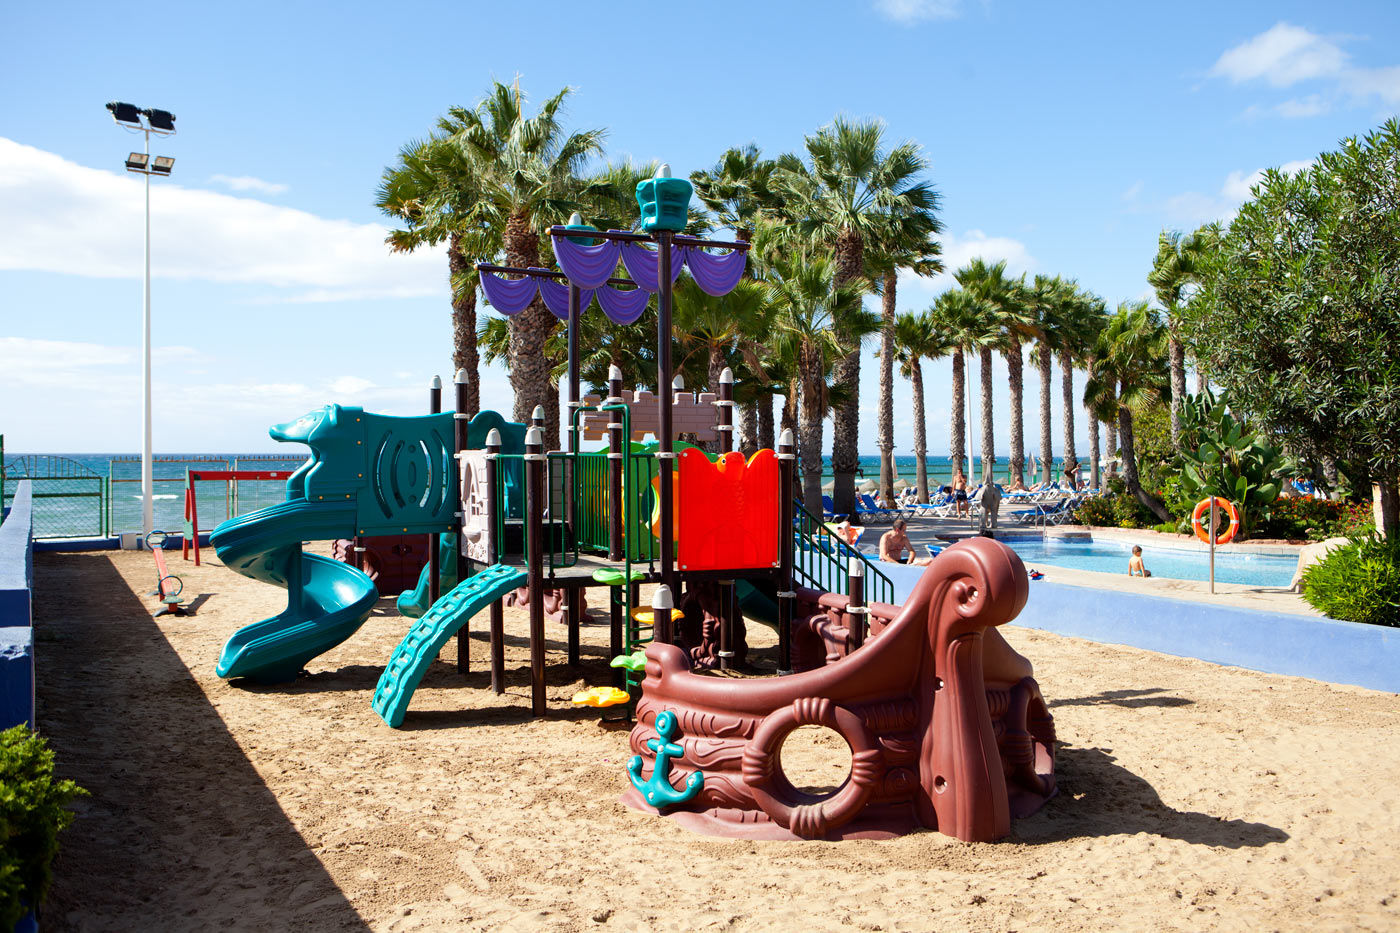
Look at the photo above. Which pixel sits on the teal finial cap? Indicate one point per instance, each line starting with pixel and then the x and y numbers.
pixel 664 201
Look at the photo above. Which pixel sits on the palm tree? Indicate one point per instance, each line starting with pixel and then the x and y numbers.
pixel 845 199
pixel 999 299
pixel 1081 318
pixel 811 313
pixel 715 327
pixel 433 191
pixel 905 242
pixel 963 320
pixel 1047 297
pixel 1131 373
pixel 918 337
pixel 1173 269
pixel 528 175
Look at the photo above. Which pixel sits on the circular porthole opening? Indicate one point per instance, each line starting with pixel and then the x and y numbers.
pixel 816 760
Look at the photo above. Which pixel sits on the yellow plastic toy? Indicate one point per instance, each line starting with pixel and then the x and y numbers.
pixel 601 697
pixel 646 615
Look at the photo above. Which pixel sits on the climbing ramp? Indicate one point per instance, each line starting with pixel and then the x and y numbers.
pixel 428 634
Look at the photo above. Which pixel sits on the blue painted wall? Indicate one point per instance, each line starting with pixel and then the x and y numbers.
pixel 16 611
pixel 17 560
pixel 1275 642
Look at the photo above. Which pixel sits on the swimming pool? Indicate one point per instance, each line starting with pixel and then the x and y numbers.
pixel 1177 563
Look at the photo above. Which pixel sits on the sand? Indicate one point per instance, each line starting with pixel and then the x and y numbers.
pixel 1192 796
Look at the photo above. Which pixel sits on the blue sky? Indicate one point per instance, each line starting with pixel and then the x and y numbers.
pixel 1062 137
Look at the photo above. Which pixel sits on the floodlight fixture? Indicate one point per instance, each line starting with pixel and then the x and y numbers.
pixel 136 162
pixel 161 121
pixel 162 165
pixel 125 113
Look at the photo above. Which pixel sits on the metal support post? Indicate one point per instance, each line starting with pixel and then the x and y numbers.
pixel 493 511
pixel 434 562
pixel 534 520
pixel 787 464
pixel 856 609
pixel 665 454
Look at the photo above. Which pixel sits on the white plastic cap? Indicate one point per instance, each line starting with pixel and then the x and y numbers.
pixel 493 438
pixel 576 219
pixel 663 170
pixel 436 383
pixel 857 568
pixel 785 439
pixel 534 436
pixel 661 599
pixel 538 413
pixel 460 377
pixel 614 373
pixel 727 376
pixel 678 383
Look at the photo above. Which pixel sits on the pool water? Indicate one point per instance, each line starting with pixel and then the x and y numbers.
pixel 1177 563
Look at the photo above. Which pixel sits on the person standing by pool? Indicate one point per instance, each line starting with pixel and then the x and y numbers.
pixel 1136 568
pixel 960 491
pixel 895 542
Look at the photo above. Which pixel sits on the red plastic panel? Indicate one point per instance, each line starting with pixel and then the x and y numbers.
pixel 728 511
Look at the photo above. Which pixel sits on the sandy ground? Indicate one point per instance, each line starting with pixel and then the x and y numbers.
pixel 1192 796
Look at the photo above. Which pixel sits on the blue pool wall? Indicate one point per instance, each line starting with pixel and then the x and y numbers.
pixel 1273 642
pixel 17 611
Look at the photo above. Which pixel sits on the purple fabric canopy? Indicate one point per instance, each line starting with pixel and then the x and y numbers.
pixel 715 274
pixel 586 266
pixel 644 265
pixel 508 296
pixel 556 298
pixel 623 307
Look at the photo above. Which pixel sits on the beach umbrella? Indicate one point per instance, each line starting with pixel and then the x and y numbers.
pixel 868 486
pixel 902 483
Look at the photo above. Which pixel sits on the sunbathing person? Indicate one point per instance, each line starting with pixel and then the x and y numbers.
pixel 895 542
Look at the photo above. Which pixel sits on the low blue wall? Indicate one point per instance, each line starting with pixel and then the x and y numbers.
pixel 17 560
pixel 1274 642
pixel 17 611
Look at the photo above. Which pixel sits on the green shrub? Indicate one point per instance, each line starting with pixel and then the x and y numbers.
pixel 1166 528
pixel 1130 513
pixel 33 810
pixel 1095 511
pixel 1358 582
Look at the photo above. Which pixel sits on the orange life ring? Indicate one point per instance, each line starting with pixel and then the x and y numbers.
pixel 1224 505
pixel 803 814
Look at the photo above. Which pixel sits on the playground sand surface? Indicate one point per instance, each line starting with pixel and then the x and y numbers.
pixel 1192 796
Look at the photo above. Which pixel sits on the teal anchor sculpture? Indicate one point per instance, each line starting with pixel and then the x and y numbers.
pixel 658 790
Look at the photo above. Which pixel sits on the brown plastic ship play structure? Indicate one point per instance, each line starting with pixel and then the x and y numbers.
pixel 946 726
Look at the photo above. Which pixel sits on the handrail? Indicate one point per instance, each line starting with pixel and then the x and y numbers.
pixel 823 560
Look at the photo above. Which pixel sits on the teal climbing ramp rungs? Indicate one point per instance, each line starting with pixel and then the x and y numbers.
pixel 427 635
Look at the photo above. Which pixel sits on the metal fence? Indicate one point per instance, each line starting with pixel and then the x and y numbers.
pixel 70 500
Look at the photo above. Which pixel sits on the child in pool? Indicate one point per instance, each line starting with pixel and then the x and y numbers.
pixel 1135 566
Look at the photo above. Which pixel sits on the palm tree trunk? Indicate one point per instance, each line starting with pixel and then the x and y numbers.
pixel 529 330
pixel 1111 449
pixel 885 432
pixel 810 429
pixel 465 357
pixel 988 451
pixel 1046 454
pixel 1176 359
pixel 1202 383
pixel 765 423
pixel 1014 367
pixel 849 254
pixel 916 381
pixel 1130 470
pixel 748 427
pixel 1095 480
pixel 957 443
pixel 1067 402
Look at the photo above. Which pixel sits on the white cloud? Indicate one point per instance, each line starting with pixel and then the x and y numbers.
pixel 1285 55
pixel 958 250
pixel 67 218
pixel 909 12
pixel 1192 207
pixel 1311 106
pixel 248 183
pixel 1282 56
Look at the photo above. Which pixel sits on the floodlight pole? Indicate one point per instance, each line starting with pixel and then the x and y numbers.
pixel 147 460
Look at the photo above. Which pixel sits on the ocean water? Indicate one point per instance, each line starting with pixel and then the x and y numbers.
pixel 76 508
pixel 101 493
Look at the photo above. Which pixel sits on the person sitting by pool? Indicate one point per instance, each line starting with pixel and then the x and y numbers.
pixel 1017 484
pixel 1135 565
pixel 895 542
pixel 960 492
pixel 847 532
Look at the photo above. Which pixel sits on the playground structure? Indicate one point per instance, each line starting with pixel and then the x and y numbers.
pixel 168 585
pixel 945 723
pixel 230 479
